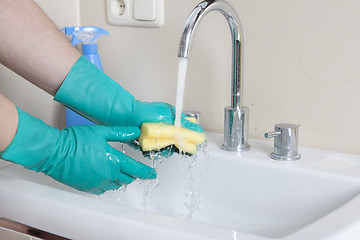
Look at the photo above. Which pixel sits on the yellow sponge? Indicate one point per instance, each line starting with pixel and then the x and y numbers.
pixel 155 136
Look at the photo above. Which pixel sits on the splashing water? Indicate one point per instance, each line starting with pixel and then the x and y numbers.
pixel 181 181
pixel 148 190
pixel 115 196
pixel 180 90
pixel 182 177
pixel 196 168
pixel 177 192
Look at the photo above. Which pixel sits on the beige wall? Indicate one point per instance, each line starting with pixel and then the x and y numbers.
pixel 302 65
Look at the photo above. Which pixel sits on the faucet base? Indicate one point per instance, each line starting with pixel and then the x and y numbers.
pixel 240 149
pixel 236 129
pixel 285 158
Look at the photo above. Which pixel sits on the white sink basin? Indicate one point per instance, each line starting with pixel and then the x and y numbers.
pixel 218 195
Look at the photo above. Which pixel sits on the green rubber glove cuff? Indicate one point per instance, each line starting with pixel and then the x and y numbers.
pixel 28 147
pixel 78 156
pixel 90 92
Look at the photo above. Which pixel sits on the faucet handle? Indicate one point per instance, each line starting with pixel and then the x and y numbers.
pixel 272 134
pixel 285 141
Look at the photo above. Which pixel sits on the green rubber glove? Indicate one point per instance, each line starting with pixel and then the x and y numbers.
pixel 94 95
pixel 78 156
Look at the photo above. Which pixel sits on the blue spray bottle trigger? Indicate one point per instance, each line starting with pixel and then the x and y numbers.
pixel 85 35
pixel 89 37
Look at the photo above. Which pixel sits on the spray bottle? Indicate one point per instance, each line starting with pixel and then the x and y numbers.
pixel 89 37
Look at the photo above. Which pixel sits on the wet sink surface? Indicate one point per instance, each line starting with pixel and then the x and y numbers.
pixel 247 193
pixel 229 191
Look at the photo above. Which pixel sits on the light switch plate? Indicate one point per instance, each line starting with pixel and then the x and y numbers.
pixel 145 10
pixel 135 13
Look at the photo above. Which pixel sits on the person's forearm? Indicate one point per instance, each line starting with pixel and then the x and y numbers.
pixel 8 122
pixel 32 46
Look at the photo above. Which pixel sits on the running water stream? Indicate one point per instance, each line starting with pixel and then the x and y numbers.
pixel 180 90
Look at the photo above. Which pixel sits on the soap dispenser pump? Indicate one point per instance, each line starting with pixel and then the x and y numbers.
pixel 88 37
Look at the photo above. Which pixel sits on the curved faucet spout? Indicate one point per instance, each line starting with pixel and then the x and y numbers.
pixel 232 18
pixel 236 116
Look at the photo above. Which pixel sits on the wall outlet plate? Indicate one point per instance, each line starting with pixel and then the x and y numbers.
pixel 126 13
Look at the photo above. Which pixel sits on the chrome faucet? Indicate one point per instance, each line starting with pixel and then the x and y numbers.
pixel 236 115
